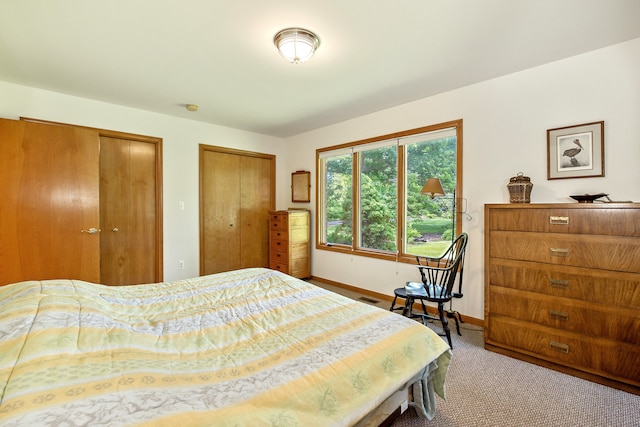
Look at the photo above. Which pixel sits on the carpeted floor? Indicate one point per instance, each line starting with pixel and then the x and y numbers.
pixel 489 389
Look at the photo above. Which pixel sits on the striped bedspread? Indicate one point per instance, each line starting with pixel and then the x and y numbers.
pixel 251 347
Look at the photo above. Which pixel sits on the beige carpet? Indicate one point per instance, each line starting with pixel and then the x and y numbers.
pixel 489 389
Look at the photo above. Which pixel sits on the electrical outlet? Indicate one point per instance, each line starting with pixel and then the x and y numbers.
pixel 181 264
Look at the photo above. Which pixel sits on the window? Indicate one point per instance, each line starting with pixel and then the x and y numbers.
pixel 369 199
pixel 337 188
pixel 378 196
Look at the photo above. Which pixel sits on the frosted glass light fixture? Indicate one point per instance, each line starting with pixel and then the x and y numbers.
pixel 296 44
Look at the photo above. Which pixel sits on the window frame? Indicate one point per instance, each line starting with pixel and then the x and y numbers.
pixel 354 249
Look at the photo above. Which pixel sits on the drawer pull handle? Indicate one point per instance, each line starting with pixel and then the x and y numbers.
pixel 560 315
pixel 559 284
pixel 558 252
pixel 557 346
pixel 559 220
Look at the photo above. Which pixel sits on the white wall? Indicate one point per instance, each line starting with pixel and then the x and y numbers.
pixel 504 132
pixel 180 156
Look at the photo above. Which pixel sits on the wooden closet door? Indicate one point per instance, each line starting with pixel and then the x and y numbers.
pixel 220 207
pixel 255 202
pixel 237 190
pixel 50 189
pixel 127 211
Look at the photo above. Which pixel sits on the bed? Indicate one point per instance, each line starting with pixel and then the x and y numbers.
pixel 248 347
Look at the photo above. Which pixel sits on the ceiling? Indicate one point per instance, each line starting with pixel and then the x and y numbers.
pixel 159 55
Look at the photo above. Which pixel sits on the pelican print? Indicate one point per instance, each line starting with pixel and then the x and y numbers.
pixel 571 153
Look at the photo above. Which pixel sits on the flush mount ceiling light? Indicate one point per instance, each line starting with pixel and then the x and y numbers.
pixel 296 44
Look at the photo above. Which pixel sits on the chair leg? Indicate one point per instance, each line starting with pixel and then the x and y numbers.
pixel 457 326
pixel 408 307
pixel 424 307
pixel 457 317
pixel 445 323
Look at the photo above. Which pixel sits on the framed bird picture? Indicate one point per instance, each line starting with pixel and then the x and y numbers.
pixel 575 151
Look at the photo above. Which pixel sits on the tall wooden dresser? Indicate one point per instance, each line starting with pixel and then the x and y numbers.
pixel 289 242
pixel 562 288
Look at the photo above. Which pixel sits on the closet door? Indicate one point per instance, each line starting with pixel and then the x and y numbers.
pixel 220 199
pixel 237 190
pixel 128 211
pixel 50 202
pixel 255 202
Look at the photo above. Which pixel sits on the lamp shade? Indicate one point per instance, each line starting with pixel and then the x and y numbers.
pixel 296 44
pixel 433 188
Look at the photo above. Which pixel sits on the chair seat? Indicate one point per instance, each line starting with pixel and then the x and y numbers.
pixel 421 292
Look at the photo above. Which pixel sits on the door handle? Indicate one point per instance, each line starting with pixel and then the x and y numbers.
pixel 115 229
pixel 92 230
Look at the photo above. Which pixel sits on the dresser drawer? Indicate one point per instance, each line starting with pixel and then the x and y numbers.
pixel 278 216
pixel 598 286
pixel 596 252
pixel 279 234
pixel 277 225
pixel 579 220
pixel 564 314
pixel 608 358
pixel 279 257
pixel 279 247
pixel 284 268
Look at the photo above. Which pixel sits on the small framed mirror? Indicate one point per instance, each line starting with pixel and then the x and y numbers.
pixel 301 186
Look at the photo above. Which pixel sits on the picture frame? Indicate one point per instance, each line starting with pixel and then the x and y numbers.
pixel 301 186
pixel 576 151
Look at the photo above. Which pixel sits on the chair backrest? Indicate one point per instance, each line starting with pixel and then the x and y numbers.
pixel 439 274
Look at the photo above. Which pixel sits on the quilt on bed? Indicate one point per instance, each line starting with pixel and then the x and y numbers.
pixel 249 347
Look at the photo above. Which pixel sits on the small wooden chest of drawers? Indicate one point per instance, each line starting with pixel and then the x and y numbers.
pixel 289 243
pixel 562 288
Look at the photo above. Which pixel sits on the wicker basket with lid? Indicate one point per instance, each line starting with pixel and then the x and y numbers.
pixel 520 189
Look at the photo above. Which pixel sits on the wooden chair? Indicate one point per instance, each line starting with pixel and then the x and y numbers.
pixel 438 280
